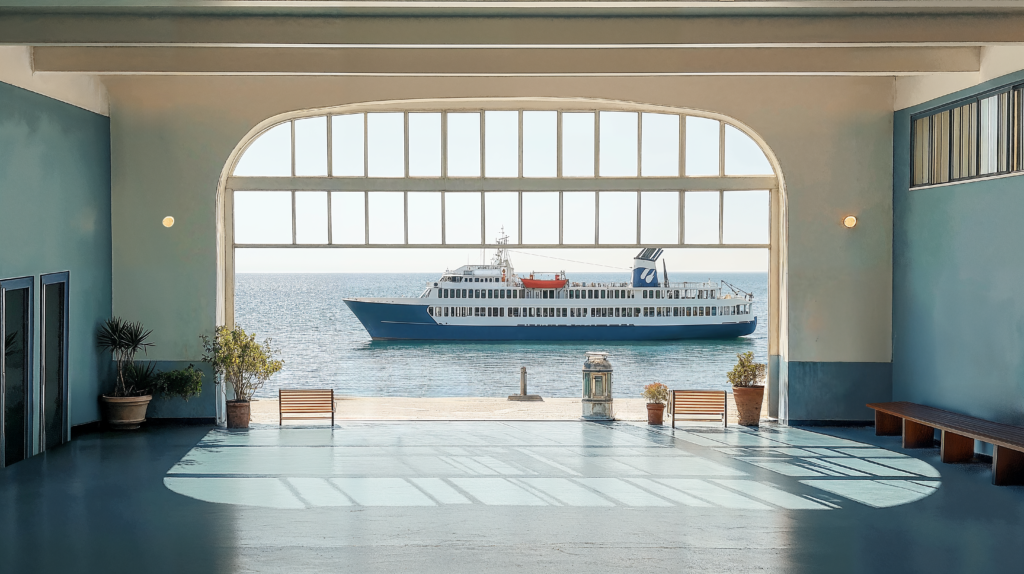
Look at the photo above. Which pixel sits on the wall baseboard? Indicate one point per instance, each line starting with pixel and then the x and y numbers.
pixel 85 428
pixel 185 421
pixel 830 423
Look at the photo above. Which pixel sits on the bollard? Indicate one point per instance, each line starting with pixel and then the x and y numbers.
pixel 522 396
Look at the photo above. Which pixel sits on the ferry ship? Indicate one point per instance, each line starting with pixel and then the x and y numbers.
pixel 491 303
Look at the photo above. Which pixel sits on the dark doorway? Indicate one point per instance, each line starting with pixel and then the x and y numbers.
pixel 54 425
pixel 16 301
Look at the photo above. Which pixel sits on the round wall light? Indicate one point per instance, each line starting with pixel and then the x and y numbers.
pixel 850 221
pixel 168 221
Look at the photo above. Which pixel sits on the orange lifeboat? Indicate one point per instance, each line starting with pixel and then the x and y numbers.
pixel 557 283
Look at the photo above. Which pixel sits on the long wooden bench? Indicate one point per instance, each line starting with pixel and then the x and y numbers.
pixel 305 404
pixel 917 424
pixel 699 403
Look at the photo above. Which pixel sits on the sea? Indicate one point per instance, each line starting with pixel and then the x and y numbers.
pixel 323 345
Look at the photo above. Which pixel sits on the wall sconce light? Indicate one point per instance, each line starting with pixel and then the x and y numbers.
pixel 168 221
pixel 850 221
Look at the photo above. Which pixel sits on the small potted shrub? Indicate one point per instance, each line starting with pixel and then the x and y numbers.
pixel 182 383
pixel 747 379
pixel 125 408
pixel 243 363
pixel 656 395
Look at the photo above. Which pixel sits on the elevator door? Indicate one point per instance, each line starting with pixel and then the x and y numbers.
pixel 54 424
pixel 16 296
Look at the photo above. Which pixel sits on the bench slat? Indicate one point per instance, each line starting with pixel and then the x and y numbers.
pixel 699 402
pixel 305 404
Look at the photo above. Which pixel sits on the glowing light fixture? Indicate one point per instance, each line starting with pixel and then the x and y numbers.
pixel 850 221
pixel 169 221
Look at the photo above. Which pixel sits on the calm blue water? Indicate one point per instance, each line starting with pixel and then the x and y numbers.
pixel 324 346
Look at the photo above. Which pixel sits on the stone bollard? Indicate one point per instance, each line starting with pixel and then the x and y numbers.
pixel 522 396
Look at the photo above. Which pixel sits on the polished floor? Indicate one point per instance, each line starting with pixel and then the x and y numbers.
pixel 495 496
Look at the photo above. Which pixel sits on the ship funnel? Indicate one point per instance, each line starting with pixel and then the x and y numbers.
pixel 645 268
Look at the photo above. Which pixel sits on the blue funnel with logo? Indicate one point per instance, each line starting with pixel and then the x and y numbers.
pixel 645 268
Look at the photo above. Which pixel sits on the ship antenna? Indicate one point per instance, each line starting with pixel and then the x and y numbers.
pixel 664 271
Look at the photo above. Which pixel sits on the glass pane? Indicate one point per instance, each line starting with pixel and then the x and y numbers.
pixel 743 156
pixel 659 217
pixel 921 171
pixel 347 150
pixel 464 145
pixel 579 220
pixel 940 147
pixel 957 149
pixel 502 214
pixel 311 217
pixel 745 217
pixel 16 372
pixel 53 363
pixel 425 145
pixel 270 155
pixel 578 144
pixel 348 218
pixel 540 218
pixel 462 217
pixel 540 144
pixel 618 217
pixel 701 146
pixel 385 138
pixel 989 151
pixel 263 217
pixel 387 217
pixel 311 147
pixel 618 144
pixel 502 138
pixel 424 215
pixel 701 224
pixel 660 146
pixel 1003 137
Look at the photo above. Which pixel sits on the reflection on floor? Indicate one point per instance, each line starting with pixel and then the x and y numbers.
pixel 545 464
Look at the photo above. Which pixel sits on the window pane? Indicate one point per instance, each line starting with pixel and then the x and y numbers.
pixel 462 217
pixel 385 137
pixel 990 132
pixel 347 149
pixel 540 218
pixel 659 217
pixel 745 217
pixel 311 216
pixel 743 156
pixel 311 147
pixel 921 171
pixel 348 218
pixel 425 145
pixel 263 216
pixel 578 144
pixel 1003 137
pixel 618 217
pixel 387 217
pixel 578 220
pixel 540 144
pixel 940 147
pixel 464 145
pixel 424 215
pixel 701 146
pixel 502 212
pixel 269 155
pixel 618 144
pixel 701 224
pixel 660 146
pixel 501 131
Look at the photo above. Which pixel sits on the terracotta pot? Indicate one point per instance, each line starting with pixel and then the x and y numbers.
pixel 238 414
pixel 124 413
pixel 655 413
pixel 748 404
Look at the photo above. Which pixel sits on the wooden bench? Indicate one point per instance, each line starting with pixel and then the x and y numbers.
pixel 305 404
pixel 699 403
pixel 917 424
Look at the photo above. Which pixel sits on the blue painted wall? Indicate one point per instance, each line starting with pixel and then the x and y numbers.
pixel 55 216
pixel 958 314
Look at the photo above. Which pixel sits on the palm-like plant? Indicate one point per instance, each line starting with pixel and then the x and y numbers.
pixel 125 339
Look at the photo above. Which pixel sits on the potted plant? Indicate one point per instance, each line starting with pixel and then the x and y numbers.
pixel 656 395
pixel 126 407
pixel 747 379
pixel 244 364
pixel 182 383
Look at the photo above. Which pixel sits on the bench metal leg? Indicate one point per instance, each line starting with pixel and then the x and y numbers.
pixel 956 448
pixel 1007 466
pixel 887 425
pixel 917 435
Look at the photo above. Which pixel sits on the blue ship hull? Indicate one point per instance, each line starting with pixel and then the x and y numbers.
pixel 389 321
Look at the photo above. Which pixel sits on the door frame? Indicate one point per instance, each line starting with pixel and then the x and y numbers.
pixel 15 284
pixel 62 277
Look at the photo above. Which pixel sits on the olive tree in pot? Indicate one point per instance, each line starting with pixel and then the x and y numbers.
pixel 656 395
pixel 125 408
pixel 243 363
pixel 747 379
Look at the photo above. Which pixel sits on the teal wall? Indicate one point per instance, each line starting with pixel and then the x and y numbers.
pixel 958 273
pixel 55 216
